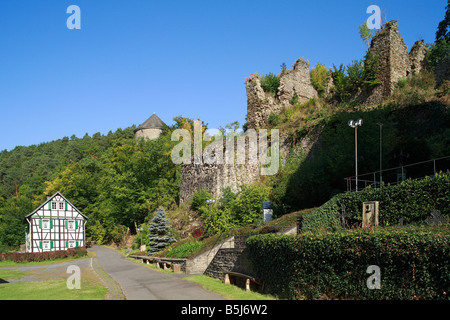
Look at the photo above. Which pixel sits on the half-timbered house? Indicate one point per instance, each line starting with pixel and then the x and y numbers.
pixel 55 225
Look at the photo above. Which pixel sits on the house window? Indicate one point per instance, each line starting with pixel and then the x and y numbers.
pixel 46 224
pixel 53 205
pixel 46 244
pixel 61 206
pixel 71 224
pixel 71 244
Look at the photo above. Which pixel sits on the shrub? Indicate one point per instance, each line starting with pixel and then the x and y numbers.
pixel 274 119
pixel 270 82
pixel 413 263
pixel 355 71
pixel 235 210
pixel 42 256
pixel 341 87
pixel 247 207
pixel 199 198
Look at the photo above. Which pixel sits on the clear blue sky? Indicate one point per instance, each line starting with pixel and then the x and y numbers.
pixel 135 57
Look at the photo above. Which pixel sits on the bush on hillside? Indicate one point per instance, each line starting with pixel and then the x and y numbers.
pixel 270 83
pixel 199 198
pixel 411 200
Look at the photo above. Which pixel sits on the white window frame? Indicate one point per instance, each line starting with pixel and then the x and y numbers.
pixel 45 224
pixel 71 244
pixel 53 205
pixel 69 222
pixel 61 205
pixel 46 245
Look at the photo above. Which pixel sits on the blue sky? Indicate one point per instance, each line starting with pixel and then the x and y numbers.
pixel 136 57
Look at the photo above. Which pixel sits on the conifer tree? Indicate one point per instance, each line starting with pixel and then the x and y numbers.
pixel 159 235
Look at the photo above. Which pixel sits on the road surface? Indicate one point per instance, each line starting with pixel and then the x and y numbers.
pixel 138 282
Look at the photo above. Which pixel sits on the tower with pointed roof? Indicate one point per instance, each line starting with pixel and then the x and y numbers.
pixel 150 129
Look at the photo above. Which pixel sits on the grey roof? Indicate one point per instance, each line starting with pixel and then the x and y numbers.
pixel 154 122
pixel 50 199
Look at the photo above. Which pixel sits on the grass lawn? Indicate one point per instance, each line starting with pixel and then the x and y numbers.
pixel 230 292
pixel 48 286
pixel 51 289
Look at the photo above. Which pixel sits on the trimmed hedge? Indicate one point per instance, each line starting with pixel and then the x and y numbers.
pixel 413 262
pixel 412 200
pixel 42 256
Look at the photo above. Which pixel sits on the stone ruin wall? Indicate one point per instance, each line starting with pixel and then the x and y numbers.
pixel 260 104
pixel 214 177
pixel 393 63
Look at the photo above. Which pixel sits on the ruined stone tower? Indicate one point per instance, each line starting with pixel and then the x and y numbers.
pixel 150 129
pixel 294 82
pixel 391 60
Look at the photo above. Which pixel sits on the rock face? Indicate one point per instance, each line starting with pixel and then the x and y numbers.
pixel 261 104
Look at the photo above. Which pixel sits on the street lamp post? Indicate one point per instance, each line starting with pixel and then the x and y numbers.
pixel 381 162
pixel 355 125
pixel 140 231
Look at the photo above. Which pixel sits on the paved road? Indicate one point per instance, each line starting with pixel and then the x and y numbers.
pixel 141 283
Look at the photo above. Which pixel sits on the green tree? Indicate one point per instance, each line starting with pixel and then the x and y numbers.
pixel 441 48
pixel 158 232
pixel 319 78
pixel 365 33
pixel 443 31
pixel 247 207
pixel 12 225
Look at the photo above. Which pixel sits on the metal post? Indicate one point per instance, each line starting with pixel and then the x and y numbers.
pixel 381 152
pixel 356 156
pixel 356 124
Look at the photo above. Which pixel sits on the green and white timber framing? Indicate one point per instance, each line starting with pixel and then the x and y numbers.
pixel 55 225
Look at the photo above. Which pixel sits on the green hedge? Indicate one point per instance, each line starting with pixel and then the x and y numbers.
pixel 412 200
pixel 413 262
pixel 77 252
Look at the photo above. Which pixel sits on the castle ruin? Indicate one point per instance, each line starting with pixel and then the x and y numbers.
pixel 392 62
